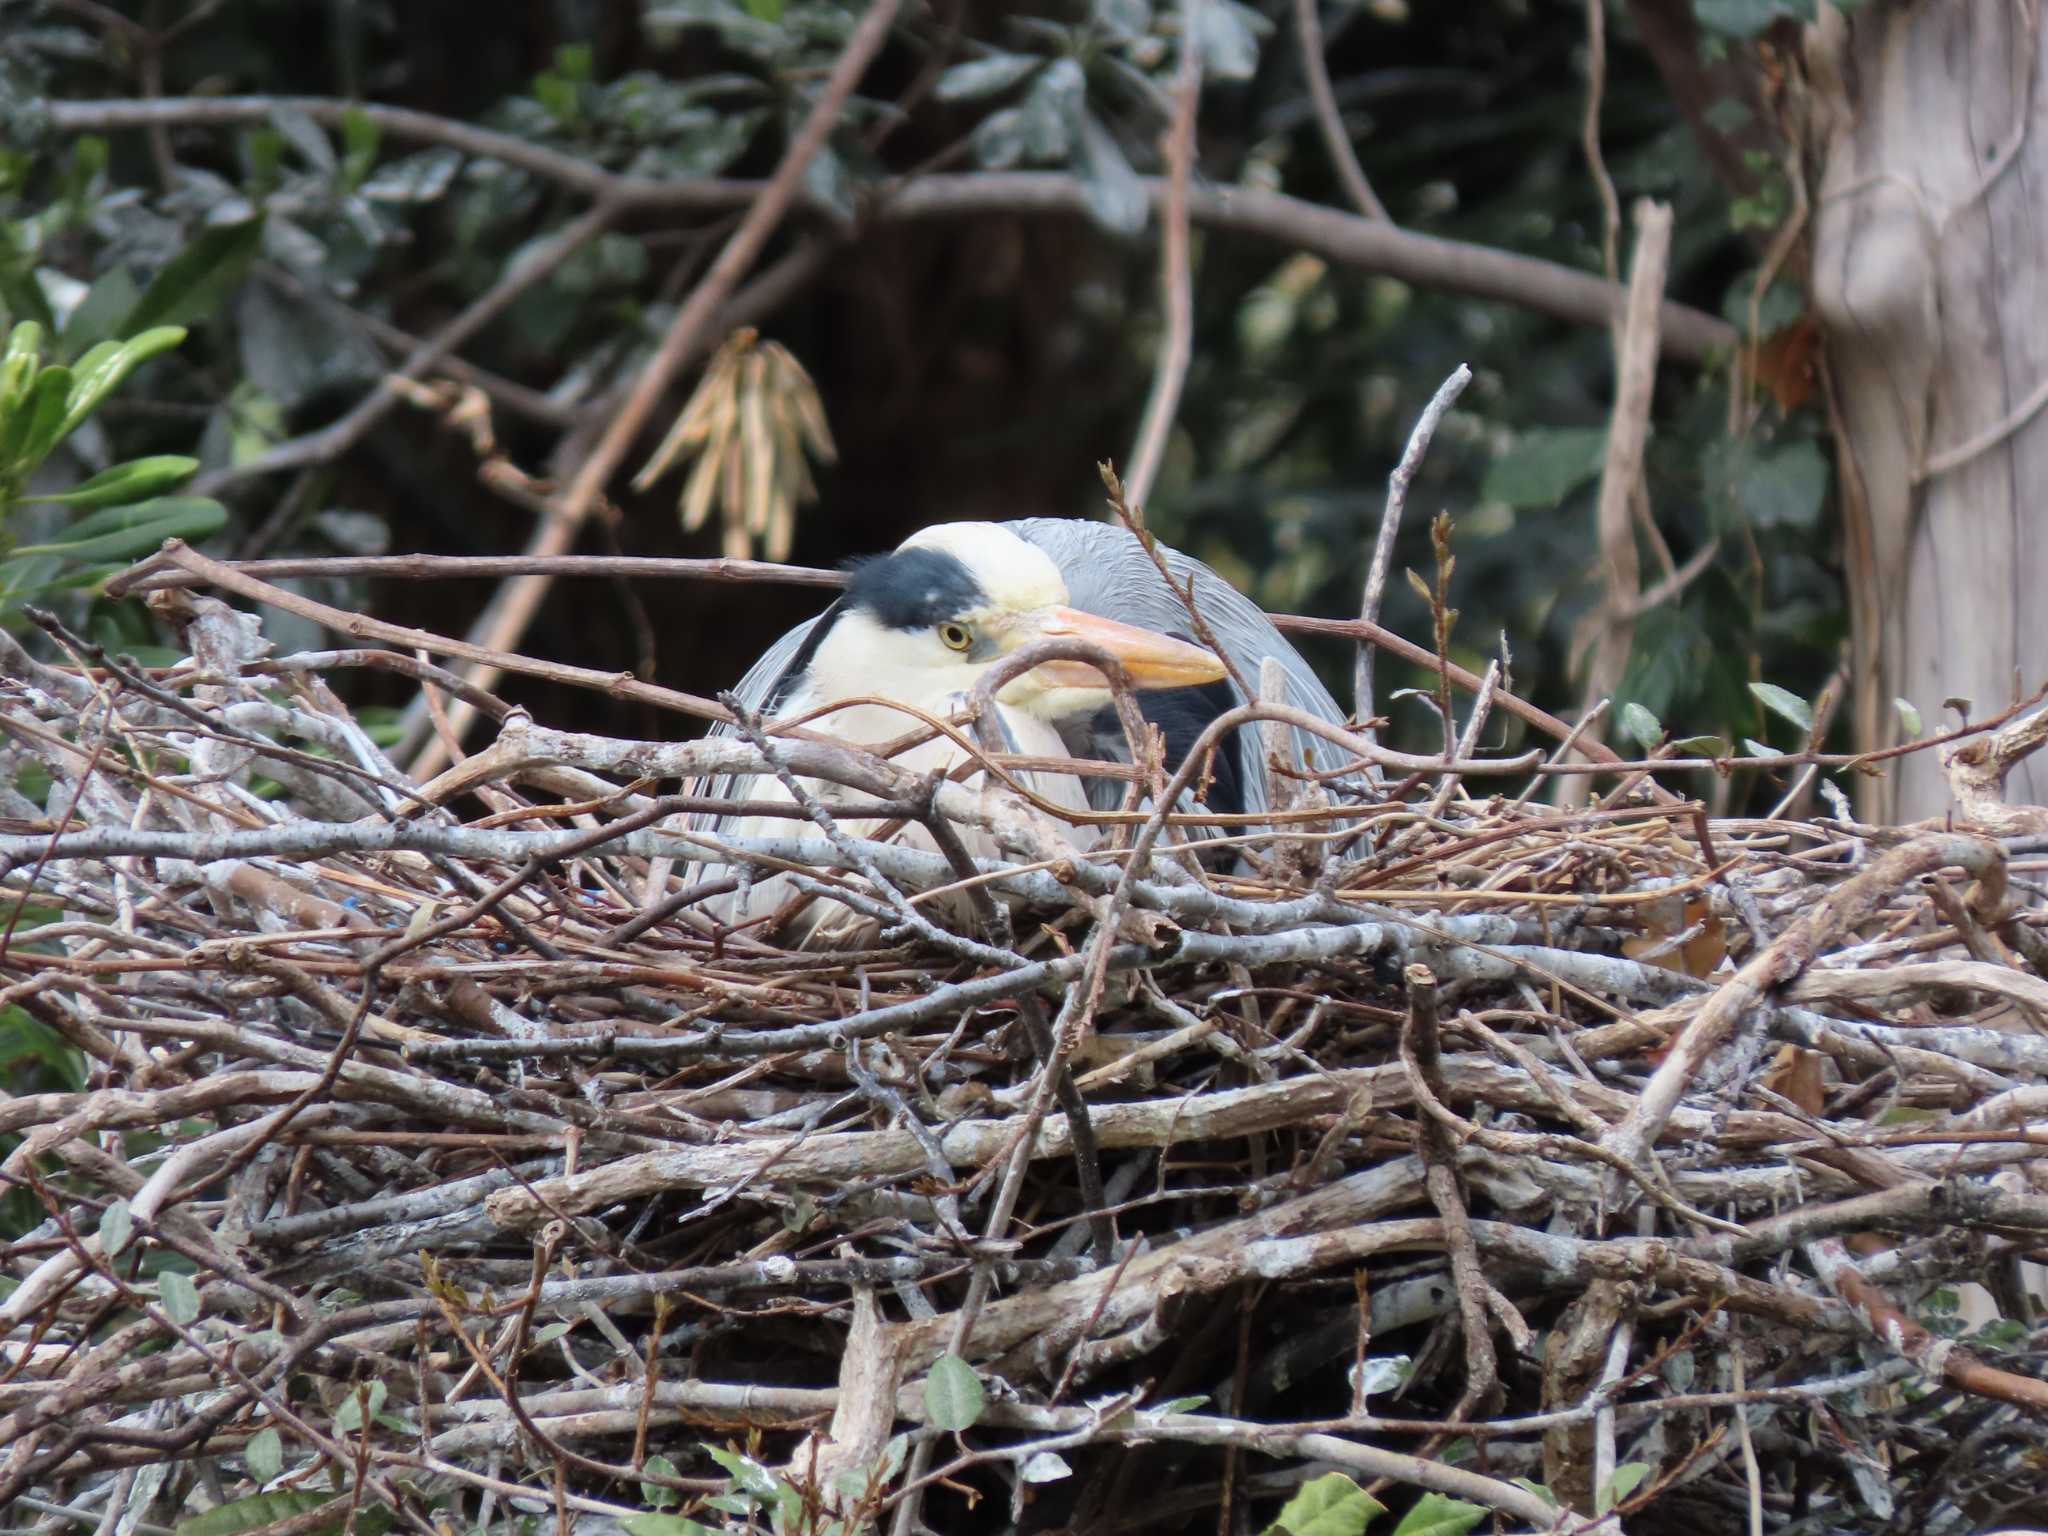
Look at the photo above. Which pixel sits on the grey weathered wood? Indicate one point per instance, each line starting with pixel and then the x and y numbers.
pixel 1930 280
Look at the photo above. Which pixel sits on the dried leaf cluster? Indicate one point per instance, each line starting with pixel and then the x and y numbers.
pixel 753 425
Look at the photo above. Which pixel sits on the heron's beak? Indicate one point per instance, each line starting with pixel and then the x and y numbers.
pixel 1152 660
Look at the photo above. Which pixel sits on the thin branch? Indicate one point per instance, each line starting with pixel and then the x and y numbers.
pixel 1390 526
pixel 1328 119
pixel 1422 1060
pixel 1347 239
pixel 402 123
pixel 1176 282
pixel 1636 352
pixel 1589 140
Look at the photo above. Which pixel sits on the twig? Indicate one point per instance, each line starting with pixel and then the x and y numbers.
pixel 1390 525
pixel 1349 240
pixel 156 574
pixel 619 684
pixel 1942 1359
pixel 1628 429
pixel 1422 1058
pixel 1176 281
pixel 1589 140
pixel 1328 119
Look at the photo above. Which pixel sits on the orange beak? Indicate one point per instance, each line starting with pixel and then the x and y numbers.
pixel 1152 660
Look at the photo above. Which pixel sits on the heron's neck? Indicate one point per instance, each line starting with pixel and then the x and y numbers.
pixel 863 659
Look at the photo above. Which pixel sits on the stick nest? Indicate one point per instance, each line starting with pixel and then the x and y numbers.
pixel 436 1162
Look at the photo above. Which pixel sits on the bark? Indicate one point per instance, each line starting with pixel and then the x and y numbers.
pixel 1928 277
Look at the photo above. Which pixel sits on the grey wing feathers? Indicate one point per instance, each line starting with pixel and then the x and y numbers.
pixel 1109 574
pixel 754 691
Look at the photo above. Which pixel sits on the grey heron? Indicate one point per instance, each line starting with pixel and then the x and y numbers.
pixel 922 625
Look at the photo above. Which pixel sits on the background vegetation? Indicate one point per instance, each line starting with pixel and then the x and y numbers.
pixel 977 359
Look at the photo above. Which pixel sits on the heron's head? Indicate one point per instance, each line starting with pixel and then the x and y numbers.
pixel 954 600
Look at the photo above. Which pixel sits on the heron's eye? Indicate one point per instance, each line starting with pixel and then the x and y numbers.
pixel 955 637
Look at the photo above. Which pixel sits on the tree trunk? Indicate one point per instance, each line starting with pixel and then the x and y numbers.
pixel 1930 277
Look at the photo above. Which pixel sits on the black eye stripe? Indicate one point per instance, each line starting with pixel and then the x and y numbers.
pixel 915 589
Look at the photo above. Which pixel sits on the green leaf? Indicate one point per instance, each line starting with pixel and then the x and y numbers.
pixel 35 425
pixel 1785 703
pixel 1179 1404
pixel 1123 19
pixel 25 340
pixel 21 296
pixel 829 185
pixel 953 1398
pixel 664 1525
pixel 1228 36
pixel 1641 726
pixel 578 62
pixel 1435 1515
pixel 18 367
pixel 558 95
pixel 1112 190
pixel 101 370
pixel 1045 1467
pixel 1754 748
pixel 747 1474
pixel 1545 467
pixel 305 136
pixel 2000 1332
pixel 117 1224
pixel 29 1049
pixel 264 1454
pixel 1783 302
pixel 180 1297
pixel 124 533
pixel 1530 1485
pixel 1787 488
pixel 654 1493
pixel 1701 746
pixel 112 295
pixel 1331 1505
pixel 362 1403
pixel 360 138
pixel 984 77
pixel 125 483
pixel 260 1509
pixel 263 154
pixel 998 140
pixel 1746 18
pixel 1378 1374
pixel 21 580
pixel 420 178
pixel 1627 1477
pixel 193 284
pixel 1052 111
pixel 1909 717
pixel 736 29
